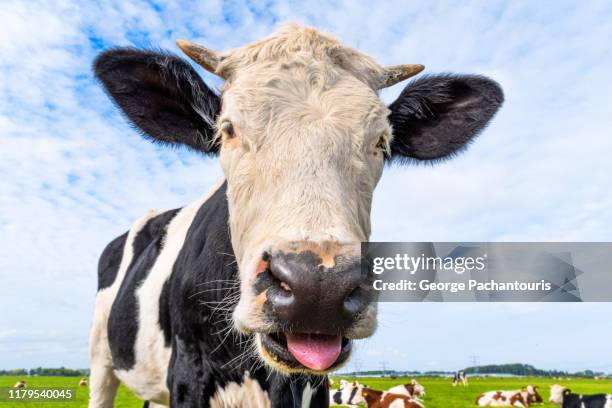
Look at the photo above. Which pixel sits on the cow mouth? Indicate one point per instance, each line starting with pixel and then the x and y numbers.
pixel 306 351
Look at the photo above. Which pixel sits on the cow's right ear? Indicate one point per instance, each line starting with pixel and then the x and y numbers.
pixel 162 95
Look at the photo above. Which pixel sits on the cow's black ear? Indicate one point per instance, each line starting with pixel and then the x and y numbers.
pixel 436 116
pixel 162 95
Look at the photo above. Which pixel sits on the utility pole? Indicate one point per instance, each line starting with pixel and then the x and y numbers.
pixel 474 359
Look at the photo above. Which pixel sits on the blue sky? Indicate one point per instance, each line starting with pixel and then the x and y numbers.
pixel 74 175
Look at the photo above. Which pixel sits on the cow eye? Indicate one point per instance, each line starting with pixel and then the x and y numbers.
pixel 382 143
pixel 228 129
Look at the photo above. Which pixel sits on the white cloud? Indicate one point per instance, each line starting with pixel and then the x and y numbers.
pixel 74 175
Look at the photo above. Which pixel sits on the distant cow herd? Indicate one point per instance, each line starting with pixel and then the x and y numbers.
pixel 410 396
pixel 24 384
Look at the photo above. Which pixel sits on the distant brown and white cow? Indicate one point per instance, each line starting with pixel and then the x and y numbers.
pixel 380 399
pixel 83 382
pixel 20 384
pixel 513 398
pixel 302 137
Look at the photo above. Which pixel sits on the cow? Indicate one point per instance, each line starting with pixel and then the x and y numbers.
pixel 348 394
pixel 514 398
pixel 21 384
pixel 460 377
pixel 259 280
pixel 83 382
pixel 564 397
pixel 380 399
pixel 412 389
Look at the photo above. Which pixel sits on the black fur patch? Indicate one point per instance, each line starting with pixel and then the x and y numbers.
pixel 123 318
pixel 160 94
pixel 353 392
pixel 588 401
pixel 109 262
pixel 164 314
pixel 338 397
pixel 436 116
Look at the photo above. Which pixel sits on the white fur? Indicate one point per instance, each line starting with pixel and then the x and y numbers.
pixel 307 396
pixel 397 404
pixel 248 394
pixel 419 390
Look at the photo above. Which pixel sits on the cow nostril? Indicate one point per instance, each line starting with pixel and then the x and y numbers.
pixel 282 275
pixel 277 282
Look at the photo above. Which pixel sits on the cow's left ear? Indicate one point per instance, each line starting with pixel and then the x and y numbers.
pixel 436 116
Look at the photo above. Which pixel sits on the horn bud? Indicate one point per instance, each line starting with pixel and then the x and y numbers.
pixel 398 73
pixel 206 58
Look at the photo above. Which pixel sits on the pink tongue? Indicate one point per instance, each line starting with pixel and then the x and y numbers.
pixel 315 351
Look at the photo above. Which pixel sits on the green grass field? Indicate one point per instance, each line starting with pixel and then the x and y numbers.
pixel 439 392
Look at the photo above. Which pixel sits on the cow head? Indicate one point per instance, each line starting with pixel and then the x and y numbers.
pixel 302 138
pixel 558 394
pixel 418 389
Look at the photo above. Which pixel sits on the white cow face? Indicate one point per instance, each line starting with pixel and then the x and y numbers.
pixel 557 393
pixel 419 390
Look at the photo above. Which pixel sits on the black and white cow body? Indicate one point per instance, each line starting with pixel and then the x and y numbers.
pixel 460 377
pixel 185 338
pixel 565 398
pixel 347 394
